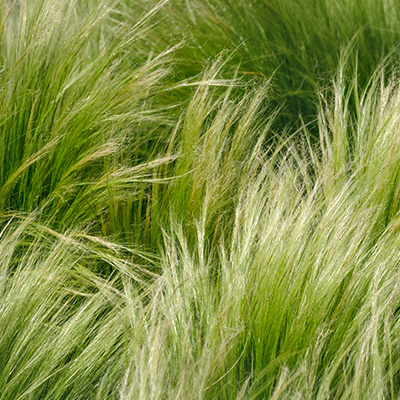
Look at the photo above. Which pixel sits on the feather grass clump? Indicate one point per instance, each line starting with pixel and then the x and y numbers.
pixel 180 223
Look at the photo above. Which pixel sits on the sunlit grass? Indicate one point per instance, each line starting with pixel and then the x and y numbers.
pixel 199 201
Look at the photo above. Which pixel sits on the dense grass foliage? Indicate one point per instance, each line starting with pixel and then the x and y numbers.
pixel 199 200
pixel 298 42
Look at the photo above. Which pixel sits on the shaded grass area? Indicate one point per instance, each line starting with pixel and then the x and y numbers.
pixel 297 42
pixel 199 200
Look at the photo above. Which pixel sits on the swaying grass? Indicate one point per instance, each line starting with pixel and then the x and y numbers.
pixel 297 41
pixel 199 200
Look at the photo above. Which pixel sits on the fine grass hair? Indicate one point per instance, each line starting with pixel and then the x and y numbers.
pixel 199 200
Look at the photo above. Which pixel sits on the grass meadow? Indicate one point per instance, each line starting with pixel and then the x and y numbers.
pixel 199 199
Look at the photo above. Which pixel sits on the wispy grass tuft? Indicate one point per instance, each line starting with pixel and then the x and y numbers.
pixel 199 201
